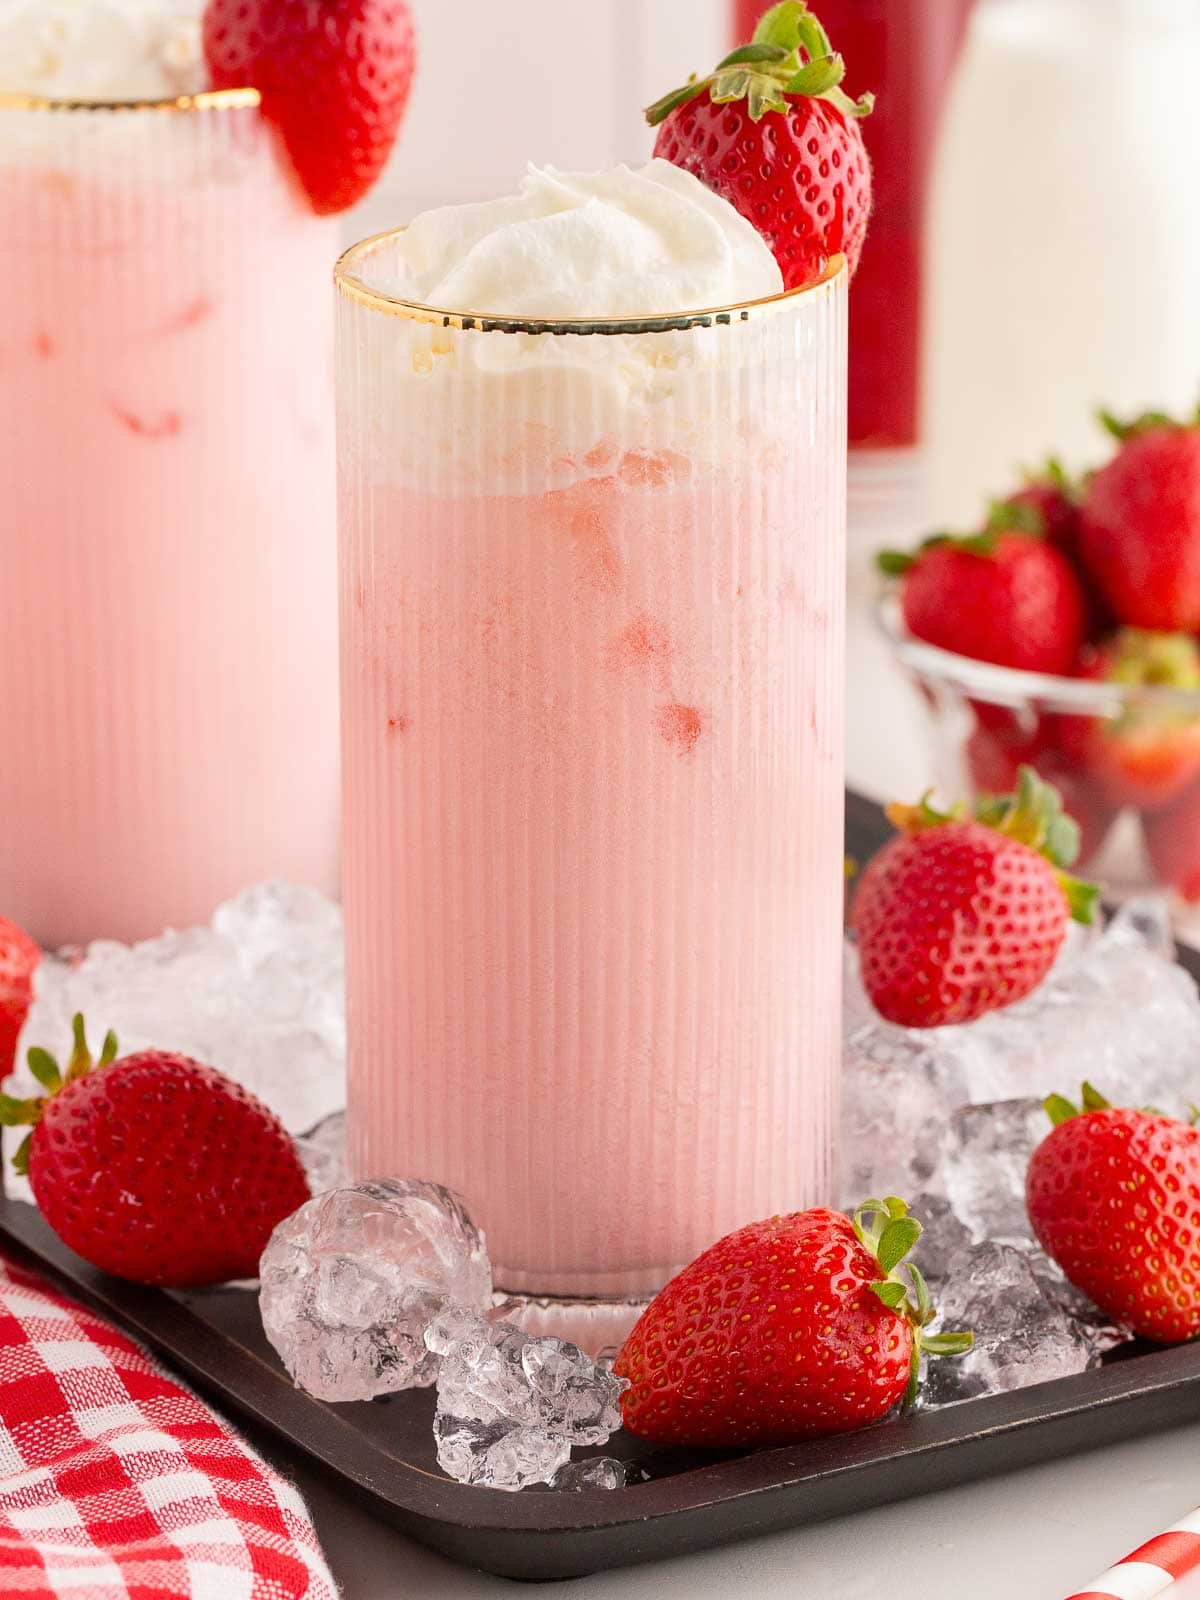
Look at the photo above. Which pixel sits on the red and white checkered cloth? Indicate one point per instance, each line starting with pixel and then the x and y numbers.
pixel 116 1483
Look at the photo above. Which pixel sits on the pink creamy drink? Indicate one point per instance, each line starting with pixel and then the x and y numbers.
pixel 592 581
pixel 167 624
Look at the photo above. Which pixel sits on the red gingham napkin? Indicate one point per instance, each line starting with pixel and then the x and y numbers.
pixel 118 1484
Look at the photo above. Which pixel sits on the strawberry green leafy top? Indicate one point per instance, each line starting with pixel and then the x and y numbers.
pixel 790 55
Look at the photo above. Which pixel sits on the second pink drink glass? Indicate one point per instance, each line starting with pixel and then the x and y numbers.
pixel 168 643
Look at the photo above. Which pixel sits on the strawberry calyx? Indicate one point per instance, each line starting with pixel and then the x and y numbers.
pixel 18 1113
pixel 895 563
pixel 1147 422
pixel 1004 516
pixel 789 58
pixel 1033 816
pixel 1052 475
pixel 886 1230
pixel 1015 516
pixel 1059 1109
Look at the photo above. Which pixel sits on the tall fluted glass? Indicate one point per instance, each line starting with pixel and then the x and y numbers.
pixel 168 621
pixel 592 656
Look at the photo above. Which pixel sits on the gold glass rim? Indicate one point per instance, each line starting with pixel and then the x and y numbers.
pixel 204 100
pixel 352 287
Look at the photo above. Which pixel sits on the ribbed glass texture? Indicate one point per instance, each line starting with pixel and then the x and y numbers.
pixel 168 620
pixel 592 659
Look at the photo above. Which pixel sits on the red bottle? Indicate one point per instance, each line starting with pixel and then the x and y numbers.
pixel 903 50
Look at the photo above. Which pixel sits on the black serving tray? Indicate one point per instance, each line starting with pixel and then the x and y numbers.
pixel 382 1453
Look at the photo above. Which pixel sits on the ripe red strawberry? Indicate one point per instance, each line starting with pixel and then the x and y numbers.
pixel 1140 530
pixel 1000 595
pixel 155 1168
pixel 1173 843
pixel 961 916
pixel 787 1329
pixel 1114 1198
pixel 19 957
pixel 1148 754
pixel 334 76
pixel 772 131
pixel 1050 502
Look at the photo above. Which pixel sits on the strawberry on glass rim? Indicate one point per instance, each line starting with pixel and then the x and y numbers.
pixel 334 76
pixel 772 131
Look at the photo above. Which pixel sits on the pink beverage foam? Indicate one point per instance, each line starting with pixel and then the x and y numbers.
pixel 593 838
pixel 167 622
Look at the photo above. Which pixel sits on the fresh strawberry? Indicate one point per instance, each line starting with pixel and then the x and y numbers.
pixel 19 957
pixel 772 131
pixel 1173 843
pixel 960 916
pixel 1114 1198
pixel 787 1329
pixel 1149 752
pixel 154 1167
pixel 334 77
pixel 1140 530
pixel 1000 595
pixel 1048 503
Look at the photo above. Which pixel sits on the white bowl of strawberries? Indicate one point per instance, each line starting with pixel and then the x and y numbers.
pixel 1065 635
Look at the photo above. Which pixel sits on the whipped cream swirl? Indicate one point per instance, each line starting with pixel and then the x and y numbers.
pixel 621 243
pixel 101 49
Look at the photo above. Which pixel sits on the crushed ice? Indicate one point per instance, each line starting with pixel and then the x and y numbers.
pixel 511 1407
pixel 361 1300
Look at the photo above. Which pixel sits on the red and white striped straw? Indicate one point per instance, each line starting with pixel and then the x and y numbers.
pixel 1151 1570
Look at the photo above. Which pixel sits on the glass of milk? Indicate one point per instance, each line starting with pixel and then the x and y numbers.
pixel 1063 237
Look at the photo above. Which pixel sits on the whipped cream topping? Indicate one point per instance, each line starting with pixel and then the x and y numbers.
pixel 622 243
pixel 101 49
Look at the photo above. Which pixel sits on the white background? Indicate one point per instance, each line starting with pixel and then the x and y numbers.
pixel 498 87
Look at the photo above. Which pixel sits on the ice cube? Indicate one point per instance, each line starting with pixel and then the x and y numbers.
pixel 258 995
pixel 351 1282
pixel 898 1089
pixel 510 1407
pixel 1122 1014
pixel 1101 1333
pixel 1021 1337
pixel 596 1472
pixel 322 1150
pixel 985 1156
pixel 943 1236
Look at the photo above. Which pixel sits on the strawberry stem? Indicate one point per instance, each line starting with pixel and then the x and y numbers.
pixel 887 1230
pixel 790 57
pixel 1034 816
pixel 1124 431
pixel 1059 1109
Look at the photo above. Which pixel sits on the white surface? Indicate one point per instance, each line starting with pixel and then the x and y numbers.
pixel 1037 1535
